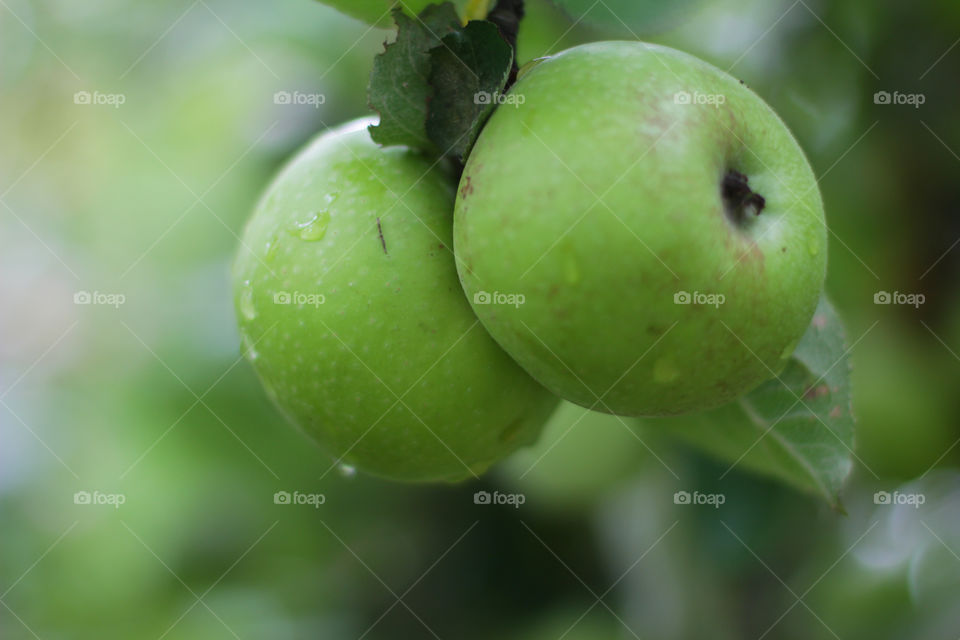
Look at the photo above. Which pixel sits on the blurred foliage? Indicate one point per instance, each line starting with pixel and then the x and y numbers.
pixel 151 401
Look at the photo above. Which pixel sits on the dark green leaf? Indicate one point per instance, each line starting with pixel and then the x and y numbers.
pixel 797 427
pixel 467 74
pixel 399 82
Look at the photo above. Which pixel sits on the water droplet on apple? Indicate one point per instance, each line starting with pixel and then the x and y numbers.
pixel 271 248
pixel 249 349
pixel 664 370
pixel 247 308
pixel 346 470
pixel 315 228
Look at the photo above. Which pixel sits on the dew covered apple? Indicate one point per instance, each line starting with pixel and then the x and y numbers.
pixel 352 315
pixel 660 221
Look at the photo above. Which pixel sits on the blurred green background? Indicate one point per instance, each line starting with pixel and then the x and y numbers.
pixel 134 139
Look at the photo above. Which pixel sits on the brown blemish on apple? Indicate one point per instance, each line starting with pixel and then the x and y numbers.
pixel 467 188
pixel 820 321
pixel 723 386
pixel 815 392
pixel 561 313
pixel 427 328
pixel 750 254
pixel 836 412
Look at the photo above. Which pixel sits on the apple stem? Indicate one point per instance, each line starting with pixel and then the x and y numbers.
pixel 737 195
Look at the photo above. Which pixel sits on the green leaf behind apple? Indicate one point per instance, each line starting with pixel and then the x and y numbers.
pixel 797 427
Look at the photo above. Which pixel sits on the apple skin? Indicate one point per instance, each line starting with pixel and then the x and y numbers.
pixel 392 323
pixel 599 199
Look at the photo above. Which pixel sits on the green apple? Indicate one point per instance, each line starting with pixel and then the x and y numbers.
pixel 660 224
pixel 351 313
